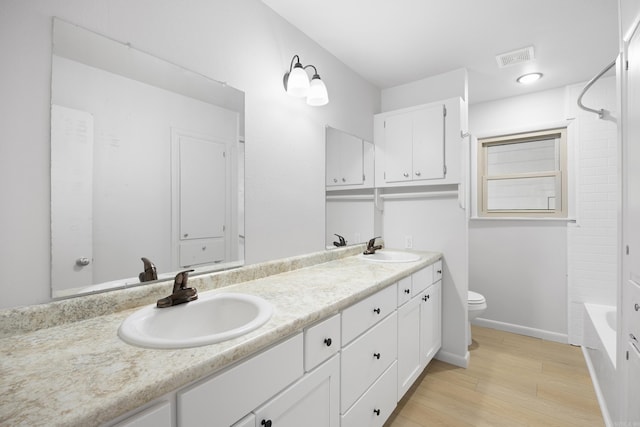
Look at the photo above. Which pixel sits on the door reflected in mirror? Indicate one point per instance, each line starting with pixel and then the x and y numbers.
pixel 147 160
pixel 349 172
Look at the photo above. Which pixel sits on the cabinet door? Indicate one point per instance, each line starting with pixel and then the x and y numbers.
pixel 428 143
pixel 203 188
pixel 409 349
pixel 311 402
pixel 398 147
pixel 157 416
pixel 345 159
pixel 430 322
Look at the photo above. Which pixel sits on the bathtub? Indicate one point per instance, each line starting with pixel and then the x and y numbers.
pixel 600 338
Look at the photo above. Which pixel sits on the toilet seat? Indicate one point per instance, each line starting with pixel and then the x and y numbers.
pixel 475 298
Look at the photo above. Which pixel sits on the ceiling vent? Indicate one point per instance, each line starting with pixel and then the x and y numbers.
pixel 515 57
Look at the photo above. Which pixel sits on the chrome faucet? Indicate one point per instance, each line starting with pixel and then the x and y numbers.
pixel 181 293
pixel 149 272
pixel 342 241
pixel 372 247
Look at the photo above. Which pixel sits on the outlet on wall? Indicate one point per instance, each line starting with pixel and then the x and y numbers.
pixel 408 242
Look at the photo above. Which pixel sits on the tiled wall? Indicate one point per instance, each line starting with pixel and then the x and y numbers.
pixel 593 239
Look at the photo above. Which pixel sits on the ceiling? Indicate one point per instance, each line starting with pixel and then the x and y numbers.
pixel 392 42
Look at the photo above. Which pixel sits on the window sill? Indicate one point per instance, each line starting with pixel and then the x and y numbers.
pixel 515 218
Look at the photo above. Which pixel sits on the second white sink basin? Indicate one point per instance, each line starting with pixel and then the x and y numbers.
pixel 383 255
pixel 212 318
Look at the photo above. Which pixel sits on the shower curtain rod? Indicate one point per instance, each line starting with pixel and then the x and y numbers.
pixel 601 113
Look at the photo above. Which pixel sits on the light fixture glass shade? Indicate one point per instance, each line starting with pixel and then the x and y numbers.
pixel 298 82
pixel 317 92
pixel 529 78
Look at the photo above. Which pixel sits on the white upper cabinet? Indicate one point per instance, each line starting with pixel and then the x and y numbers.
pixel 419 145
pixel 415 145
pixel 349 161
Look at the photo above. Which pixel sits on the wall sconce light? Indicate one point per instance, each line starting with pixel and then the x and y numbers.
pixel 296 83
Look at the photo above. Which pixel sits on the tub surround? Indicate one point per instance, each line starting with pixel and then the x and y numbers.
pixel 76 367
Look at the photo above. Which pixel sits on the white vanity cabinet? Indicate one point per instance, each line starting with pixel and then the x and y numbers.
pixel 419 145
pixel 419 328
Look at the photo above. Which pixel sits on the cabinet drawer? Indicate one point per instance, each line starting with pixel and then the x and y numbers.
pixel 437 271
pixel 361 316
pixel 366 358
pixel 404 290
pixel 232 394
pixel 422 279
pixel 321 341
pixel 201 252
pixel 376 405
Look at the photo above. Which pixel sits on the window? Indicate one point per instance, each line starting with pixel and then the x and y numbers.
pixel 523 175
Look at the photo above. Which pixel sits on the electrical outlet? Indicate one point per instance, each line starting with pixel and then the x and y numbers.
pixel 408 242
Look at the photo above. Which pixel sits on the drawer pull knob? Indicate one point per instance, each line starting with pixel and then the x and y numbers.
pixel 328 342
pixel 425 298
pixel 266 423
pixel 376 310
pixel 376 355
pixel 439 271
pixel 407 291
pixel 637 307
pixel 377 412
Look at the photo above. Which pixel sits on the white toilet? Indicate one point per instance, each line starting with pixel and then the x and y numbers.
pixel 476 305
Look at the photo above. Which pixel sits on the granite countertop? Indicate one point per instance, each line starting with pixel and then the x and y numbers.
pixel 82 374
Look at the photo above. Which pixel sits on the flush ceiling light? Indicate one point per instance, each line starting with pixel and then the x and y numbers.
pixel 296 83
pixel 529 78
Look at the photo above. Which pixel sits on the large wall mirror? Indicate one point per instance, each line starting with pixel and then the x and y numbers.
pixel 349 174
pixel 147 161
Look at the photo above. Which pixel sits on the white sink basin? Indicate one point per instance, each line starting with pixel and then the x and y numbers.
pixel 383 255
pixel 209 319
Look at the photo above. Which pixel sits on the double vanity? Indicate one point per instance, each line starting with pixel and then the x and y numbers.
pixel 346 337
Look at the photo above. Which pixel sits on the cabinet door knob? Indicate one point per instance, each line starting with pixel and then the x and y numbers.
pixel 376 355
pixel 418 173
pixel 425 298
pixel 439 271
pixel 82 261
pixel 266 423
pixel 328 342
pixel 335 180
pixel 637 307
pixel 344 179
pixel 407 291
pixel 377 412
pixel 376 310
pixel 406 175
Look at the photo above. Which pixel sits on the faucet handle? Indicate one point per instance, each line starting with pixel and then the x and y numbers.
pixel 372 242
pixel 180 281
pixel 342 241
pixel 149 273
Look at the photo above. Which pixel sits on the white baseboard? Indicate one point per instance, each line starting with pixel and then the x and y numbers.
pixel 522 330
pixel 453 359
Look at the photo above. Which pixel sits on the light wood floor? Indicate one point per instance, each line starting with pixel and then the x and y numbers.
pixel 512 380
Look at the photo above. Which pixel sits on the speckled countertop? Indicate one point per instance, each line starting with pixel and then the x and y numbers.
pixel 80 373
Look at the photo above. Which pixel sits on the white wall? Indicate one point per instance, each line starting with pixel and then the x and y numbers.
pixel 535 274
pixel 241 42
